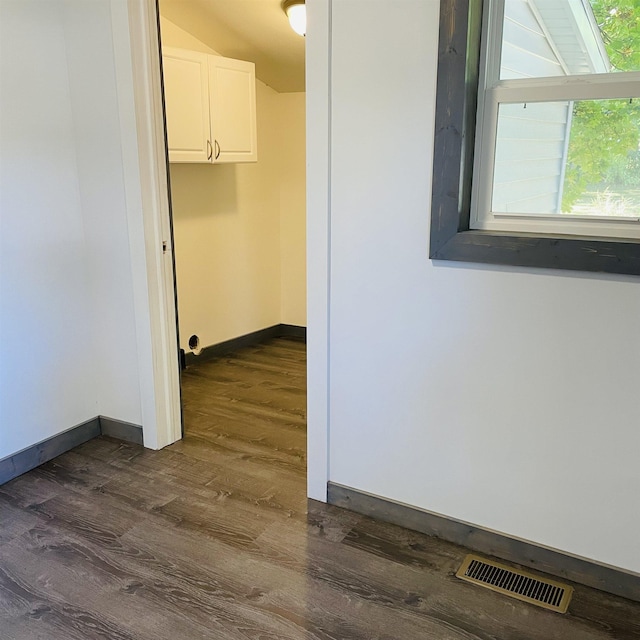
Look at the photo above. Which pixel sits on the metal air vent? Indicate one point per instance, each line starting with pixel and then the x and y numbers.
pixel 516 583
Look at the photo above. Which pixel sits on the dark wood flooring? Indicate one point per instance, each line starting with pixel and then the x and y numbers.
pixel 213 538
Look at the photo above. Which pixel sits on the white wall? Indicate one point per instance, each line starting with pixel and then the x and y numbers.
pixel 173 36
pixel 292 182
pixel 500 396
pixel 239 229
pixel 67 330
pixel 96 120
pixel 47 382
pixel 227 239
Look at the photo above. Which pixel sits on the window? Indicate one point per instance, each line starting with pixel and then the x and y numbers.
pixel 565 154
pixel 550 176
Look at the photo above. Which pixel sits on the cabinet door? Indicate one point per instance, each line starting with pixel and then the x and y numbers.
pixel 186 94
pixel 232 92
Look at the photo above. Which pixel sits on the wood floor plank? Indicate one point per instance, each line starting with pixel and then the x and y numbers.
pixel 417 590
pixel 264 585
pixel 46 592
pixel 231 407
pixel 217 450
pixel 14 521
pixel 29 490
pixel 82 595
pixel 212 538
pixel 265 435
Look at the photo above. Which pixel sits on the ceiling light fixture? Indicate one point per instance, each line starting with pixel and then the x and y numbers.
pixel 297 14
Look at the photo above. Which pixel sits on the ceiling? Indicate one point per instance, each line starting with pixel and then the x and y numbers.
pixel 254 30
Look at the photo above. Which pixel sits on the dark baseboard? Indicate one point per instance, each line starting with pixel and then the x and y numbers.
pixel 32 457
pixel 121 430
pixel 248 340
pixel 587 572
pixel 15 465
pixel 293 331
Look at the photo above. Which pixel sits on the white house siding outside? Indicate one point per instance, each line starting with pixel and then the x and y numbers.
pixel 541 38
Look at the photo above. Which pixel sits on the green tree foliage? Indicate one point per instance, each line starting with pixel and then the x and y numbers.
pixel 603 146
pixel 605 134
pixel 619 23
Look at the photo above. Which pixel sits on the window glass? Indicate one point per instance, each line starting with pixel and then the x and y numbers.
pixel 568 157
pixel 546 38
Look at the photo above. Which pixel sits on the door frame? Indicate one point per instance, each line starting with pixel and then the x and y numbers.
pixel 162 312
pixel 137 67
pixel 318 143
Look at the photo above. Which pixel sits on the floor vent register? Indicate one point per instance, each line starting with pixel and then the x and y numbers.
pixel 516 583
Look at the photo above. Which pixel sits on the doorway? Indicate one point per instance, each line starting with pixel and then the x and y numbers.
pixel 239 239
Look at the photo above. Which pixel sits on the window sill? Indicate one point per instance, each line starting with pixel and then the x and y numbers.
pixel 577 253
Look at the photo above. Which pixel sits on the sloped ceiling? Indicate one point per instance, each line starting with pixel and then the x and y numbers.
pixel 254 30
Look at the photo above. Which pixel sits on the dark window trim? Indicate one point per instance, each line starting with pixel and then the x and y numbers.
pixel 451 238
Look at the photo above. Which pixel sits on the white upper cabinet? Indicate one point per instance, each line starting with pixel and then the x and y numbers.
pixel 232 95
pixel 186 96
pixel 211 107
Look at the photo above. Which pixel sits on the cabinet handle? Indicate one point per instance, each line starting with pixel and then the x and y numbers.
pixel 217 149
pixel 209 150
